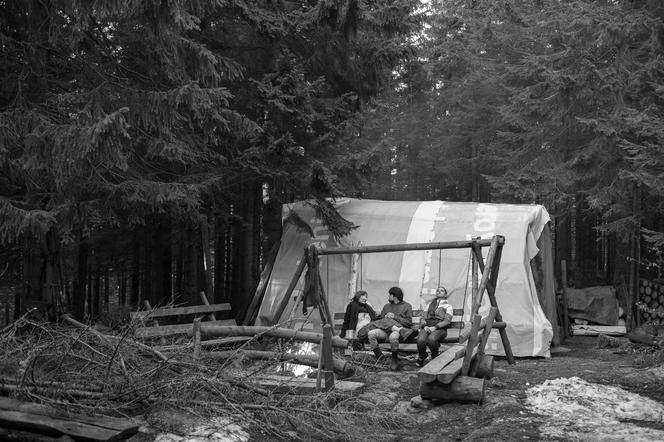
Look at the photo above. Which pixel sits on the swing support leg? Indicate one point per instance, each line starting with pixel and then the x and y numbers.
pixel 489 280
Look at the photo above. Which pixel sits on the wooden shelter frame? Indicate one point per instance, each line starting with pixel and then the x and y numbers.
pixel 311 260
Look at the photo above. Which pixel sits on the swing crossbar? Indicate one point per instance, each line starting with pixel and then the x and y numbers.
pixel 408 247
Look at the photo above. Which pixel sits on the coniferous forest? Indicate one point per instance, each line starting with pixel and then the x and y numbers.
pixel 146 147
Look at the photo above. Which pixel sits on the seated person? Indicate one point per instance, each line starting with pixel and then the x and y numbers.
pixel 433 325
pixel 393 323
pixel 358 313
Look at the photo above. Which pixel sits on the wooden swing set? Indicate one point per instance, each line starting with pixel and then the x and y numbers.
pixel 457 374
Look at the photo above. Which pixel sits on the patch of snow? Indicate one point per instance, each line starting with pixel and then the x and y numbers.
pixel 217 429
pixel 580 410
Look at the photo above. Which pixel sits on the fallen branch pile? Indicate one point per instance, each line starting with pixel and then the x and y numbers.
pixel 74 367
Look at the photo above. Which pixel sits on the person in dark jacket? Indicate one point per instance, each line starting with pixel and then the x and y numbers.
pixel 392 324
pixel 433 326
pixel 355 307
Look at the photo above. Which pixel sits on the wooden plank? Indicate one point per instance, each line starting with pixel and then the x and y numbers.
pixel 594 330
pixel 452 370
pixel 124 426
pixel 290 385
pixel 55 426
pixel 9 434
pixel 429 372
pixel 191 310
pixel 176 329
pixel 211 330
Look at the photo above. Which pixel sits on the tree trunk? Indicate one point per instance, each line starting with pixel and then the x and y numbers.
pixel 245 248
pixel 179 245
pixel 461 389
pixel 220 261
pixel 106 289
pixel 79 292
pixel 134 294
pixel 122 293
pixel 206 256
pixel 147 274
pixel 96 293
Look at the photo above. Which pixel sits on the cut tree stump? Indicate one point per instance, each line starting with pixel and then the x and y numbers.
pixel 462 389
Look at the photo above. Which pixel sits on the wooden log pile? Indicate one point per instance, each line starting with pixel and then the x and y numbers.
pixel 651 301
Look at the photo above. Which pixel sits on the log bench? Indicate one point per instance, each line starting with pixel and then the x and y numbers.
pixel 31 421
pixel 459 373
pixel 150 326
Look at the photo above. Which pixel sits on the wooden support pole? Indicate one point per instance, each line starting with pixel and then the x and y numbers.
pixel 476 298
pixel 328 359
pixel 319 372
pixel 465 333
pixel 197 338
pixel 486 271
pixel 323 306
pixel 484 367
pixel 462 389
pixel 204 298
pixel 491 292
pixel 485 336
pixel 472 342
pixel 403 247
pixel 207 254
pixel 215 331
pixel 289 291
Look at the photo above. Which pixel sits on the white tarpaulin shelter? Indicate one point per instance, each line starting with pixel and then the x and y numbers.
pixel 522 301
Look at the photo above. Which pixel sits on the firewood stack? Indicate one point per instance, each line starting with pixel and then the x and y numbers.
pixel 651 301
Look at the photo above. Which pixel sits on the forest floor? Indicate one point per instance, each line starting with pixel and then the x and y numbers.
pixel 581 393
pixel 590 389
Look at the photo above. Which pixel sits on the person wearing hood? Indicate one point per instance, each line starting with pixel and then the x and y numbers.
pixel 357 311
pixel 433 325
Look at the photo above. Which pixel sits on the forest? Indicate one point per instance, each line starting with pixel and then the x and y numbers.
pixel 147 146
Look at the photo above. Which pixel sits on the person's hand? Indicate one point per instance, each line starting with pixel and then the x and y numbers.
pixel 389 315
pixel 396 328
pixel 429 329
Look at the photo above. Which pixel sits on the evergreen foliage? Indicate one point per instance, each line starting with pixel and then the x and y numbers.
pixel 120 114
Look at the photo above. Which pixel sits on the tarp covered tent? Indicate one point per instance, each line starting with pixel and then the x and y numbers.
pixel 523 295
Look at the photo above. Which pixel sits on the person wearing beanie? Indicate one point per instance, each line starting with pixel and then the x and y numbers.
pixel 357 306
pixel 393 323
pixel 433 325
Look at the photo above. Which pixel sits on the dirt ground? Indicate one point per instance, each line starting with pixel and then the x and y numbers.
pixel 582 393
pixel 506 414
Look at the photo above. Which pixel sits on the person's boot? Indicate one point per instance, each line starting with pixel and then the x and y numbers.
pixel 421 357
pixel 394 364
pixel 377 352
pixel 434 353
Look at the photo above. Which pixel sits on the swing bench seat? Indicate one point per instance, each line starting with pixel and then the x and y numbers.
pixel 409 345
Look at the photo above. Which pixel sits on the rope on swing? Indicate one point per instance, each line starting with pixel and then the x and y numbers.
pixel 465 290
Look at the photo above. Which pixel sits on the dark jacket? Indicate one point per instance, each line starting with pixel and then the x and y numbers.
pixel 403 317
pixel 403 313
pixel 353 309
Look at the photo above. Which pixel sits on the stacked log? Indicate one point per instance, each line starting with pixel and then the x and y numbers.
pixel 459 374
pixel 651 302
